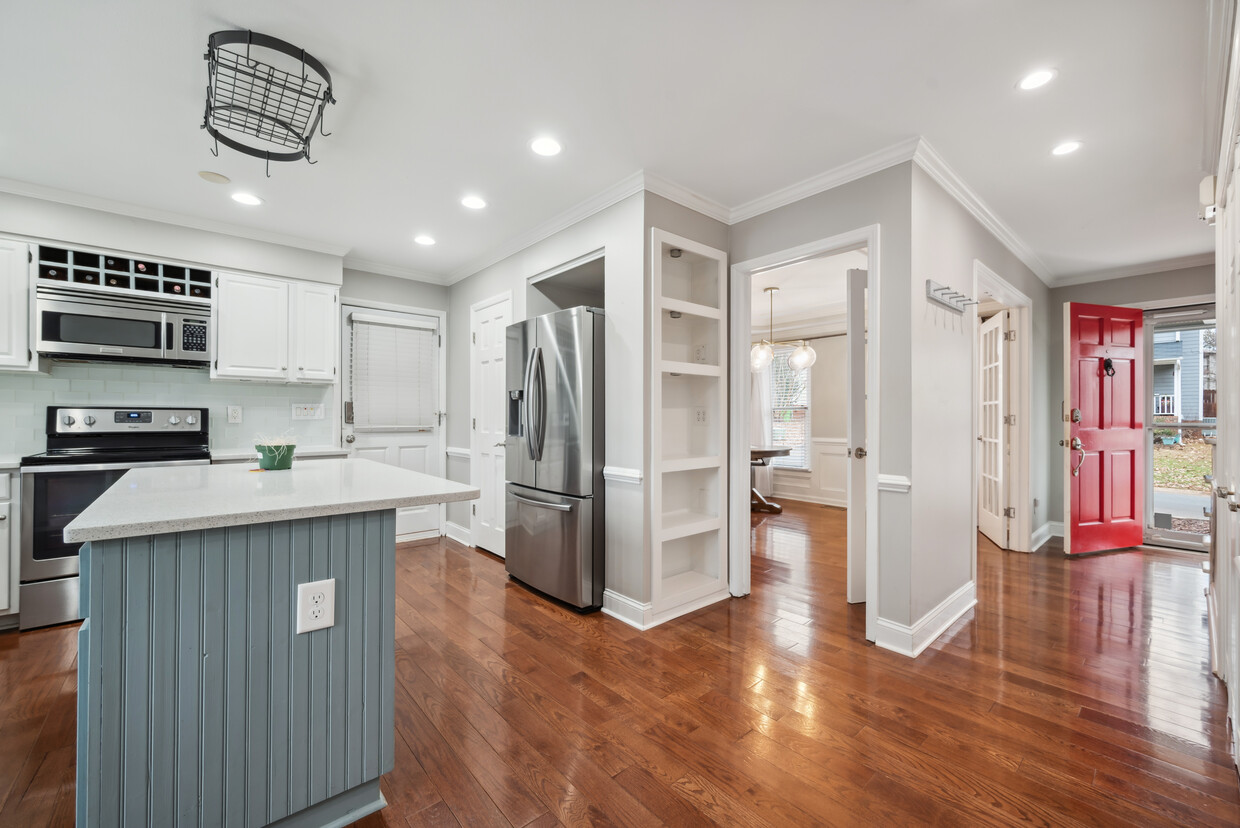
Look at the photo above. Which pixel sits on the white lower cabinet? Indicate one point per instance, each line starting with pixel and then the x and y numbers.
pixel 273 330
pixel 10 539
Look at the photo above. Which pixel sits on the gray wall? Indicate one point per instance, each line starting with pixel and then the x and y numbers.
pixel 373 287
pixel 883 198
pixel 1190 283
pixel 947 240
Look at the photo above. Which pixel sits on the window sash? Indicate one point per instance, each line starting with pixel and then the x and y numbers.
pixel 790 411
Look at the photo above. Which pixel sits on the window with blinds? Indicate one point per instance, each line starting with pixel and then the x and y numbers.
pixel 394 376
pixel 790 426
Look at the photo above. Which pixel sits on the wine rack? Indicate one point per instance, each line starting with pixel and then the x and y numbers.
pixel 111 273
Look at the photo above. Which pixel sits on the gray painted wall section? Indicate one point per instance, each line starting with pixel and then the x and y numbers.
pixel 197 703
pixel 1166 287
pixel 358 285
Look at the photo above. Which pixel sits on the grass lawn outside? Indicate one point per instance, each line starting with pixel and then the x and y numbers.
pixel 1182 467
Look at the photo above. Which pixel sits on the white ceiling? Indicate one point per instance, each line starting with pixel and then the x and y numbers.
pixel 731 101
pixel 811 294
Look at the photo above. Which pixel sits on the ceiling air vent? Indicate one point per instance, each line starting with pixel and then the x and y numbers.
pixel 266 94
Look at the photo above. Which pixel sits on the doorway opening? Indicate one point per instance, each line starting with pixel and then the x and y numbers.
pixel 799 425
pixel 1181 420
pixel 1002 407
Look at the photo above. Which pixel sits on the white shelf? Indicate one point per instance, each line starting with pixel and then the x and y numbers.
pixel 691 308
pixel 684 523
pixel 696 369
pixel 689 584
pixel 685 462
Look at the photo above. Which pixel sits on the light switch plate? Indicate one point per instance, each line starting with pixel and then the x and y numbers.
pixel 316 605
pixel 308 411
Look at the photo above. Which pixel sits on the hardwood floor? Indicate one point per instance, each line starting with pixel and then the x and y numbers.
pixel 1076 693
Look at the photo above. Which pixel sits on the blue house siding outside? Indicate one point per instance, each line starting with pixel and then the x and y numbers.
pixel 1187 349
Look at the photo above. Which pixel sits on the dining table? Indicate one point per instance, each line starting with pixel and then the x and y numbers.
pixel 761 456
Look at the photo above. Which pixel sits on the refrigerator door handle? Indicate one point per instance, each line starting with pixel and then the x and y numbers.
pixel 526 402
pixel 559 507
pixel 540 375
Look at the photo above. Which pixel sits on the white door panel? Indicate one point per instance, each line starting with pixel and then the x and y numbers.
pixel 488 326
pixel 857 351
pixel 992 442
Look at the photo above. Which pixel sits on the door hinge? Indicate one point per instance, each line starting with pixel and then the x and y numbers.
pixel 473 337
pixel 473 423
pixel 1009 336
pixel 1009 512
pixel 29 256
pixel 441 340
pixel 473 509
pixel 217 281
pixel 1009 419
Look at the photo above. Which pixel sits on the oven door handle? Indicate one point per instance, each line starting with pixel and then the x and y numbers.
pixel 91 467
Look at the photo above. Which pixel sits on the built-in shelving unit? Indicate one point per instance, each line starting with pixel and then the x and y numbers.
pixel 117 274
pixel 689 426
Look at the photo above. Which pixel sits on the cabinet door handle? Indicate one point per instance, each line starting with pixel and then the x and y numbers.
pixel 3 518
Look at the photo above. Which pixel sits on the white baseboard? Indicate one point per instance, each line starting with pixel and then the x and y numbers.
pixel 803 498
pixel 688 607
pixel 912 640
pixel 458 533
pixel 429 534
pixel 623 608
pixel 1040 536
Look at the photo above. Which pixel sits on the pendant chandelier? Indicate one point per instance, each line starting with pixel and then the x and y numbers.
pixel 762 354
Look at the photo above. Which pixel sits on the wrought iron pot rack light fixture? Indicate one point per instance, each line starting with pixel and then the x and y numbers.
pixel 273 108
pixel 761 355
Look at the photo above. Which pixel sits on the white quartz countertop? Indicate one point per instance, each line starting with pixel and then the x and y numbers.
pixel 153 501
pixel 8 462
pixel 226 455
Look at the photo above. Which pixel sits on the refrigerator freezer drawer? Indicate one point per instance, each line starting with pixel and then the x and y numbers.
pixel 550 545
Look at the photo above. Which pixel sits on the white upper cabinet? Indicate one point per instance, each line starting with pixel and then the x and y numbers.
pixel 315 322
pixel 270 329
pixel 14 304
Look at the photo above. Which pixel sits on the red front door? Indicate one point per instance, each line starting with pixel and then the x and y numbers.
pixel 1104 380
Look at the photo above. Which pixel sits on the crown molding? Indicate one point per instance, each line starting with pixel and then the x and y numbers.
pixel 933 164
pixel 685 197
pixel 614 194
pixel 123 208
pixel 352 263
pixel 1144 269
pixel 829 180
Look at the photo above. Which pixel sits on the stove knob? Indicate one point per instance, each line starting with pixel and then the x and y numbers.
pixel 68 419
pixel 89 420
pixel 174 421
pixel 191 420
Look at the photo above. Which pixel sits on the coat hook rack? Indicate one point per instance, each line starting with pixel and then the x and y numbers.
pixel 949 298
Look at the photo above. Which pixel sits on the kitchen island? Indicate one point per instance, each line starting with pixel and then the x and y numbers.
pixel 198 702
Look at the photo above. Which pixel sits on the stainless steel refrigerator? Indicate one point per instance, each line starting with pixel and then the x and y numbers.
pixel 554 511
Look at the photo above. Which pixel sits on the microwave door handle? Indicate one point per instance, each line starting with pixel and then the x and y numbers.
pixel 168 339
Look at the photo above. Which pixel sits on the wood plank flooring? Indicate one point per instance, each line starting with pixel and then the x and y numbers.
pixel 1076 693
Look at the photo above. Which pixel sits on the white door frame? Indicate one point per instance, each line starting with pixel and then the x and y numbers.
pixel 739 552
pixel 442 317
pixel 1020 398
pixel 505 296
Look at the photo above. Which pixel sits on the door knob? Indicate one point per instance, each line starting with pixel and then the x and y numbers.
pixel 1077 445
pixel 349 438
pixel 859 453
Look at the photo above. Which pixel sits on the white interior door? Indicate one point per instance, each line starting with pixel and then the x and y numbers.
pixel 992 495
pixel 394 398
pixel 856 288
pixel 488 322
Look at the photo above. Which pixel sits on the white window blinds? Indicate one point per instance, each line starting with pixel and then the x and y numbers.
pixel 790 411
pixel 395 374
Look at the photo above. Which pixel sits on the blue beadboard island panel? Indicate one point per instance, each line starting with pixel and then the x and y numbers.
pixel 199 705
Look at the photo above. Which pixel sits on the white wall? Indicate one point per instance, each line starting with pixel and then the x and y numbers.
pixel 35 219
pixel 1168 286
pixel 266 407
pixel 617 229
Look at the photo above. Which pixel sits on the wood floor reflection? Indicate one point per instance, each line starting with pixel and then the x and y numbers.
pixel 1076 693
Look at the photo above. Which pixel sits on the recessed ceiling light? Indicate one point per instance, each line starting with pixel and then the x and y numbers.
pixel 545 146
pixel 248 199
pixel 213 177
pixel 473 202
pixel 1066 147
pixel 1035 79
pixel 424 239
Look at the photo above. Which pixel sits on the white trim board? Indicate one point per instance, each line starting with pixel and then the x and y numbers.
pixel 913 639
pixel 894 483
pixel 618 474
pixel 623 608
pixel 1162 266
pixel 461 453
pixel 458 533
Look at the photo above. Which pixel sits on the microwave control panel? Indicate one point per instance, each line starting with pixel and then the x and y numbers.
pixel 194 336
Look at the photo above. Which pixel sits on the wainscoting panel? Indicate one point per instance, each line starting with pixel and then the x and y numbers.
pixel 827 480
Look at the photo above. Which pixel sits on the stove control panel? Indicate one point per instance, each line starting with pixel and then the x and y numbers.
pixel 114 420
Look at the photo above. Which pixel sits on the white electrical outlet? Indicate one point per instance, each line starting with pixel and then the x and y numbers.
pixel 316 605
pixel 699 415
pixel 308 412
pixel 699 353
pixel 234 414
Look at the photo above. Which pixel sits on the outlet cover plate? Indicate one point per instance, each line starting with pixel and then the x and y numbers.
pixel 316 605
pixel 234 414
pixel 308 411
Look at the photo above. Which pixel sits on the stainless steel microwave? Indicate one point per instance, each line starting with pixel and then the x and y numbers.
pixel 89 326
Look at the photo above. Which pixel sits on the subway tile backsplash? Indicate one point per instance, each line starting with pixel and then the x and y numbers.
pixel 24 399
